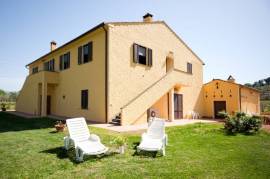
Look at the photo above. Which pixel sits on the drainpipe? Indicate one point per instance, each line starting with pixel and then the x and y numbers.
pixel 240 99
pixel 106 73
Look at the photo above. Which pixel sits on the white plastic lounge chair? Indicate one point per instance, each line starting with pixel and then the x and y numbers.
pixel 84 142
pixel 155 138
pixel 193 115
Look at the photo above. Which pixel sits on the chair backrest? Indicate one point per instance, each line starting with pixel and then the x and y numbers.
pixel 78 129
pixel 156 130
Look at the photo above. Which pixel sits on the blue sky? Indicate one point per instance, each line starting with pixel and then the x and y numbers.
pixel 231 36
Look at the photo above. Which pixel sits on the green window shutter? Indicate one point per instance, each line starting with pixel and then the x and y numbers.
pixel 90 51
pixel 150 58
pixel 80 55
pixel 135 53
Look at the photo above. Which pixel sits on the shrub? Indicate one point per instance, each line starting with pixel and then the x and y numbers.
pixel 119 140
pixel 222 114
pixel 242 123
pixel 251 124
pixel 231 125
pixel 3 105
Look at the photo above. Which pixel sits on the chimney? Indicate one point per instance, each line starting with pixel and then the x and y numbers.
pixel 231 79
pixel 148 18
pixel 53 45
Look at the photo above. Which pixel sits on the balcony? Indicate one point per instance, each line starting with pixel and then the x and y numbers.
pixel 50 77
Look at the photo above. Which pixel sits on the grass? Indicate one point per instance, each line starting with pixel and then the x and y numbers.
pixel 9 105
pixel 29 148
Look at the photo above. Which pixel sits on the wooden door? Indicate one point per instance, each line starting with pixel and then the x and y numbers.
pixel 48 105
pixel 218 107
pixel 178 106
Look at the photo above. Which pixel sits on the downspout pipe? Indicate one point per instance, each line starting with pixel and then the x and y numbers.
pixel 240 100
pixel 106 73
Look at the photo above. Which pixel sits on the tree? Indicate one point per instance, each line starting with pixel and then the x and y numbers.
pixel 256 84
pixel 248 84
pixel 261 82
pixel 13 96
pixel 2 92
pixel 267 81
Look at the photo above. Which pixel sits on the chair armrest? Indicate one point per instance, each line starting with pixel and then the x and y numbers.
pixel 94 137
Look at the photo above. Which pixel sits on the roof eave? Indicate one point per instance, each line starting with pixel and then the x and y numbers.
pixel 89 31
pixel 161 22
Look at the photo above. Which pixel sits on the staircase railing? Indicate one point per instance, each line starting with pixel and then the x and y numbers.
pixel 149 88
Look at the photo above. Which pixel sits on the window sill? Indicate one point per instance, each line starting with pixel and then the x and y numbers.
pixel 86 109
pixel 64 69
pixel 84 63
pixel 142 65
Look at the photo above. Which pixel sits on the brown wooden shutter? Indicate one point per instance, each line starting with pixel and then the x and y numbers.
pixel 189 67
pixel 135 53
pixel 68 59
pixel 52 64
pixel 61 62
pixel 90 50
pixel 80 55
pixel 150 58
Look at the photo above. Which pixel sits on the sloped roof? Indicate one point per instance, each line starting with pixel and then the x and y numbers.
pixel 69 42
pixel 242 86
pixel 118 23
pixel 159 22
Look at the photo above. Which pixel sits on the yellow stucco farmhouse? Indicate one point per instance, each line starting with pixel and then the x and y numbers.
pixel 121 71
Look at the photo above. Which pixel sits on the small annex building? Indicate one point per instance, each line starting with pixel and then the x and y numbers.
pixel 229 96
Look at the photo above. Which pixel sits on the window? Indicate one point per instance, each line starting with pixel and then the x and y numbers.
pixel 84 99
pixel 49 66
pixel 189 68
pixel 64 61
pixel 85 53
pixel 142 55
pixel 34 70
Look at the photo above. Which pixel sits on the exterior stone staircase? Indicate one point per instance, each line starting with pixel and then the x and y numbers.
pixel 138 105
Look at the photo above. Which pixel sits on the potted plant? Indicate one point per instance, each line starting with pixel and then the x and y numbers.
pixel 120 142
pixel 60 126
pixel 3 107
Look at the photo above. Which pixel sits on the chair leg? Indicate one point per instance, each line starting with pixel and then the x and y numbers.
pixel 138 150
pixel 163 150
pixel 79 154
pixel 166 139
pixel 66 143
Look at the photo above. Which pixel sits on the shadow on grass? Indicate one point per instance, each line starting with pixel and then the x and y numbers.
pixel 54 132
pixel 9 122
pixel 62 153
pixel 143 153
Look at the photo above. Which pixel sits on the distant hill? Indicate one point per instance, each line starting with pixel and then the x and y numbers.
pixel 265 92
pixel 264 87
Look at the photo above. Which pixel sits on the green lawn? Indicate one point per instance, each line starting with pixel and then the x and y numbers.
pixel 29 148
